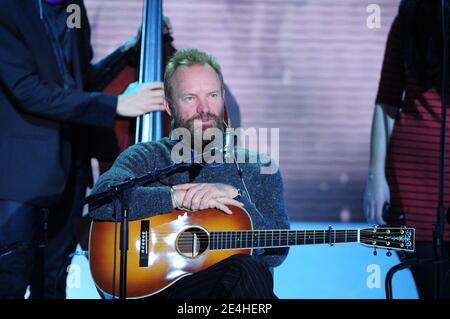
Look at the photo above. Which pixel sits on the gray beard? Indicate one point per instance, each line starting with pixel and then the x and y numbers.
pixel 178 122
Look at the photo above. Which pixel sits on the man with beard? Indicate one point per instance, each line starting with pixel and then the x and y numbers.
pixel 194 97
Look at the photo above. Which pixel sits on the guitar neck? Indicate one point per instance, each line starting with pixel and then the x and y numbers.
pixel 220 240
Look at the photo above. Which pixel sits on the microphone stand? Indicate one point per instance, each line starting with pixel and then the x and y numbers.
pixel 440 259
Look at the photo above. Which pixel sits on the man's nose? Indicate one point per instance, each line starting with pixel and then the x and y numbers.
pixel 203 106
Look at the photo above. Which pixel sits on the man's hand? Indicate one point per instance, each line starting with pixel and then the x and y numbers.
pixel 375 195
pixel 207 195
pixel 134 42
pixel 139 99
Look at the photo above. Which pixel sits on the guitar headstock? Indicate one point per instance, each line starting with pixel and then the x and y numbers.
pixel 396 238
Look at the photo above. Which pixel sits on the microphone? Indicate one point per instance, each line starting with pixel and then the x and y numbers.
pixel 228 148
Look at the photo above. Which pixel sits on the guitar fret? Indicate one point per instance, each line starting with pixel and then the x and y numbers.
pixel 216 240
pixel 278 240
pixel 291 238
pixel 231 239
pixel 266 242
pixel 225 243
pixel 281 237
pixel 224 240
pixel 246 239
pixel 271 238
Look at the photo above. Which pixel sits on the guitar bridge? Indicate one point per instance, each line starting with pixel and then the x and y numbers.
pixel 144 246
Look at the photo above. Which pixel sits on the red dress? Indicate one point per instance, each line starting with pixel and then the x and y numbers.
pixel 412 162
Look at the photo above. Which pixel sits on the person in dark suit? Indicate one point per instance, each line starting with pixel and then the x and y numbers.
pixel 47 111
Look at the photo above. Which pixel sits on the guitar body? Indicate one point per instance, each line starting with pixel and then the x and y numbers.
pixel 162 249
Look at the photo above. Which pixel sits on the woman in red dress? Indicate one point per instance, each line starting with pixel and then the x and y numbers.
pixel 404 157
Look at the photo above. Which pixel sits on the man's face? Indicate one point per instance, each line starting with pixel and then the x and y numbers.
pixel 196 96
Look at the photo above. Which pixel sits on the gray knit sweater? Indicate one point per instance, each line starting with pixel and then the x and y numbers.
pixel 267 208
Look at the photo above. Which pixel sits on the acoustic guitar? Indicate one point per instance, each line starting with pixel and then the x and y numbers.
pixel 165 248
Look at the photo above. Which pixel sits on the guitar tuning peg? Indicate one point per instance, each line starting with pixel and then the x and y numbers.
pixel 375 252
pixel 389 253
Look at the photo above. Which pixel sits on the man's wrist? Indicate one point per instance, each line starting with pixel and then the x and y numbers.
pixel 175 202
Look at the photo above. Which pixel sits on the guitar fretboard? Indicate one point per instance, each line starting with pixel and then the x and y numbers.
pixel 279 238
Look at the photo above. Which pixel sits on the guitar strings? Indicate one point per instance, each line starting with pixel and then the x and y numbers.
pixel 308 236
pixel 306 241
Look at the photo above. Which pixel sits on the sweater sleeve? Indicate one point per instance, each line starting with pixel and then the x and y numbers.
pixel 141 201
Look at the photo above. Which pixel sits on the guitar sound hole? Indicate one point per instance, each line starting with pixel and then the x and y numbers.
pixel 192 242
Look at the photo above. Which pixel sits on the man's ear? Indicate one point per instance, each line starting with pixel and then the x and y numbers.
pixel 166 106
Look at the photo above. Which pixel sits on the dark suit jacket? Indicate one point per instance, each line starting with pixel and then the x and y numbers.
pixel 40 122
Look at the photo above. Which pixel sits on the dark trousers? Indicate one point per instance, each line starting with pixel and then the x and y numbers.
pixel 424 274
pixel 237 277
pixel 43 269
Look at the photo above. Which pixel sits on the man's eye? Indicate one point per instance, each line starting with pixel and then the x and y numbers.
pixel 188 98
pixel 214 95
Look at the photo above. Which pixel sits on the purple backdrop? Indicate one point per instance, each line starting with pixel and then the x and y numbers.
pixel 309 68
